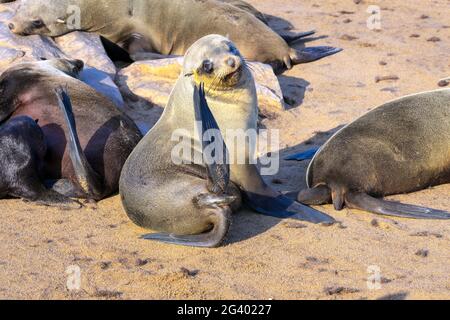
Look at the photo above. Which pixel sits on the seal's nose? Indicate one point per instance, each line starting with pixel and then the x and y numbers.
pixel 11 26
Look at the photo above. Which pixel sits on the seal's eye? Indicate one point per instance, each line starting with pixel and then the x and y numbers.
pixel 207 66
pixel 38 23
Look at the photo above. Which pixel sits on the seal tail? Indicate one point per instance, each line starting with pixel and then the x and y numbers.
pixel 88 179
pixel 365 202
pixel 311 54
pixel 293 37
pixel 221 221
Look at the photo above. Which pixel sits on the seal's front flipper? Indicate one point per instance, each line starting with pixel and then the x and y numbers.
pixel 215 152
pixel 211 239
pixel 312 54
pixel 365 202
pixel 315 196
pixel 302 156
pixel 280 206
pixel 292 37
pixel 88 179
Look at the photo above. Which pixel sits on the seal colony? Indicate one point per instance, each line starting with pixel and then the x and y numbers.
pixel 47 161
pixel 192 202
pixel 400 147
pixel 149 29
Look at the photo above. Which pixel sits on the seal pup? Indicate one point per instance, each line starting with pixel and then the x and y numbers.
pixel 60 163
pixel 400 147
pixel 190 202
pixel 152 29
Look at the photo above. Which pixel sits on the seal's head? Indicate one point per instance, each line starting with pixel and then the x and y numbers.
pixel 215 61
pixel 48 18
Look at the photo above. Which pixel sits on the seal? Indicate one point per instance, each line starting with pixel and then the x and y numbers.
pixel 49 162
pixel 400 147
pixel 152 29
pixel 243 5
pixel 187 198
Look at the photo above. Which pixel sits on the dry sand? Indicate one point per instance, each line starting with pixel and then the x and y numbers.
pixel 265 258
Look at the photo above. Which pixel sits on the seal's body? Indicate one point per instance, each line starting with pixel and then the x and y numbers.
pixel 165 190
pixel 163 27
pixel 84 165
pixel 400 147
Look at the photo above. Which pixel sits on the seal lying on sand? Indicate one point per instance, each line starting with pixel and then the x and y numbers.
pixel 150 28
pixel 400 147
pixel 163 189
pixel 51 152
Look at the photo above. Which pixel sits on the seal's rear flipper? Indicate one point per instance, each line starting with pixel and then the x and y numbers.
pixel 312 54
pixel 280 206
pixel 218 168
pixel 211 239
pixel 365 202
pixel 292 37
pixel 302 156
pixel 88 179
